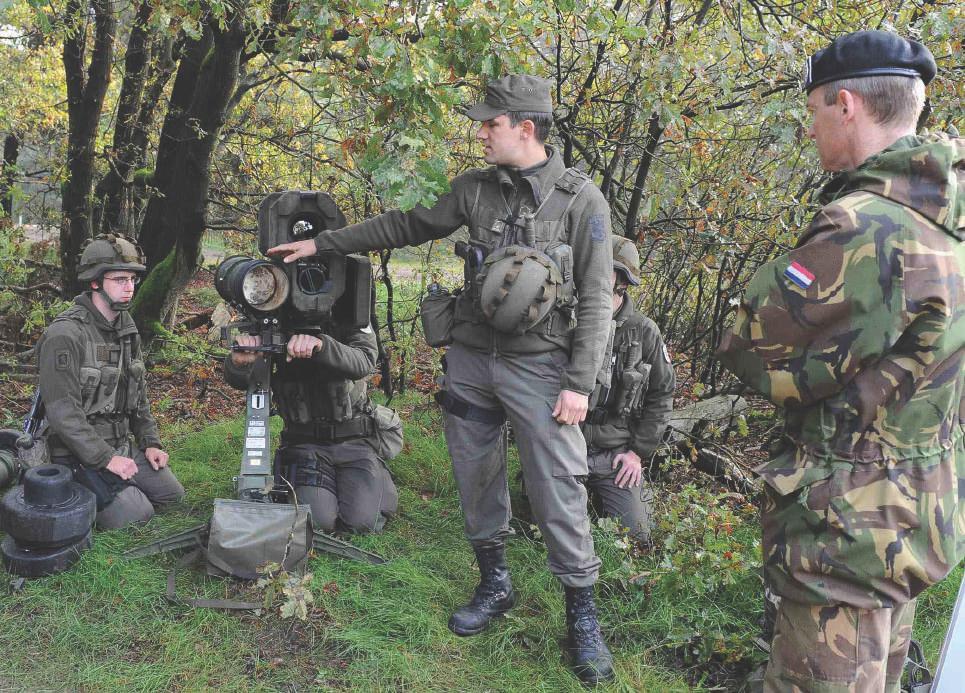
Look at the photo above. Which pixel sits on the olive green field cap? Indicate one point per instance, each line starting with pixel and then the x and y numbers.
pixel 626 259
pixel 520 93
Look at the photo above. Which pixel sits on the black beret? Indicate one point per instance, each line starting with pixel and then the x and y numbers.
pixel 868 53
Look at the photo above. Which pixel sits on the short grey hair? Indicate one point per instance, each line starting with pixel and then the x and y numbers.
pixel 543 122
pixel 892 100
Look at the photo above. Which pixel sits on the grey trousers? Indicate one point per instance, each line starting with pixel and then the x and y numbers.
pixel 364 494
pixel 633 507
pixel 552 456
pixel 149 489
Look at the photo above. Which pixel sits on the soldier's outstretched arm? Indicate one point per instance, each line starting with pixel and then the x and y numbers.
pixel 852 293
pixel 393 229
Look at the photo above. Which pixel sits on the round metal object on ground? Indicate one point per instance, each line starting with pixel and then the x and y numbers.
pixel 48 484
pixel 48 526
pixel 38 563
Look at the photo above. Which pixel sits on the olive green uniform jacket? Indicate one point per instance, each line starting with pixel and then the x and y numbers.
pixel 479 199
pixel 329 387
pixel 859 334
pixel 92 379
pixel 637 346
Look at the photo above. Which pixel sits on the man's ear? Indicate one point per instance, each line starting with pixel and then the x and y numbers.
pixel 527 129
pixel 848 103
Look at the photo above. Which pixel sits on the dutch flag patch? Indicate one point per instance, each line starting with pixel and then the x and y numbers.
pixel 799 274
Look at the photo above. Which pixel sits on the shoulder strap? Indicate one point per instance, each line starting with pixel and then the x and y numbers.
pixel 171 592
pixel 565 191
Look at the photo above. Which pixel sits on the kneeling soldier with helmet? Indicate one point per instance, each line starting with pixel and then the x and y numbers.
pixel 335 441
pixel 92 381
pixel 629 410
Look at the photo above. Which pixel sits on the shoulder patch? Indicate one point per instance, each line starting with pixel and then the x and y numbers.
pixel 367 329
pixel 799 274
pixel 666 353
pixel 62 359
pixel 597 228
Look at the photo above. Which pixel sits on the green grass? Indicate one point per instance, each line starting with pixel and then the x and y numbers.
pixel 671 616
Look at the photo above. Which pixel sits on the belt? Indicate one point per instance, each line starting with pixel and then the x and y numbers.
pixel 323 432
pixel 111 428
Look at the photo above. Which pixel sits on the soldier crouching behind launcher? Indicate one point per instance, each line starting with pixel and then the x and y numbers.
pixel 330 445
pixel 629 411
pixel 92 381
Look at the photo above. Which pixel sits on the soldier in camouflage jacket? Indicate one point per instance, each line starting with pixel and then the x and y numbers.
pixel 858 333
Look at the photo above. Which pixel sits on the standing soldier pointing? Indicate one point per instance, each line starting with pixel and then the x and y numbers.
pixel 859 334
pixel 528 339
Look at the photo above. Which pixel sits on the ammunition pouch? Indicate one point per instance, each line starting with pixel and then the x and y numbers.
pixel 599 416
pixel 438 314
pixel 388 432
pixel 629 389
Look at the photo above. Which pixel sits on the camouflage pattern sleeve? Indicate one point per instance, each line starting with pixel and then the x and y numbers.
pixel 813 318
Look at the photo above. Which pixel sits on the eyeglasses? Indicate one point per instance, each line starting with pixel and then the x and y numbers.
pixel 133 281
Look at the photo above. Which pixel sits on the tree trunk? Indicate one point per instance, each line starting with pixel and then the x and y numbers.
pixel 11 152
pixel 85 101
pixel 157 237
pixel 110 192
pixel 654 131
pixel 175 219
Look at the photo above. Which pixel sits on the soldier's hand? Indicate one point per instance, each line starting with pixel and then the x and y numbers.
pixel 630 472
pixel 294 251
pixel 302 346
pixel 124 467
pixel 156 457
pixel 244 358
pixel 570 407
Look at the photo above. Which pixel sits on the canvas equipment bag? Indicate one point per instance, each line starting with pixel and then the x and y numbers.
pixel 243 536
pixel 240 538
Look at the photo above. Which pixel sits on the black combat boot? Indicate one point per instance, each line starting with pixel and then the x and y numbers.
pixel 589 656
pixel 494 594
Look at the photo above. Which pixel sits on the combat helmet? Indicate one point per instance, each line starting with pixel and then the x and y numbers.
pixel 520 287
pixel 626 259
pixel 109 251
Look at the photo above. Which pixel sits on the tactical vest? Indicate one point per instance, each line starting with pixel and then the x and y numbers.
pixel 111 375
pixel 302 397
pixel 614 403
pixel 543 231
